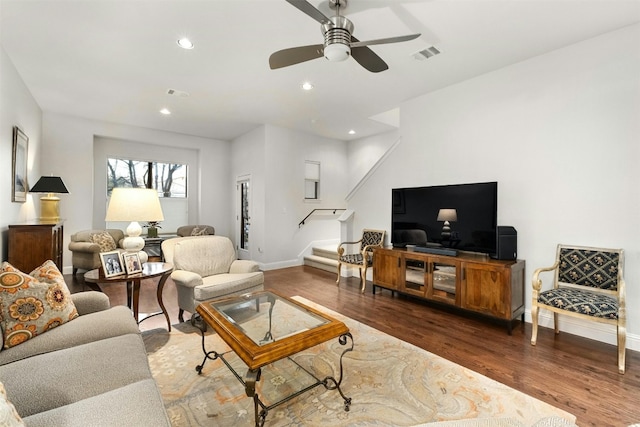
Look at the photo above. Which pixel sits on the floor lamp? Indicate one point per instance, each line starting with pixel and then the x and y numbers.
pixel 134 204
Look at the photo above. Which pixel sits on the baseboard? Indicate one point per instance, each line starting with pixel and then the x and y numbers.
pixel 592 330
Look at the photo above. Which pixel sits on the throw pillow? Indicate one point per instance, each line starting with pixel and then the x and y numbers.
pixel 197 231
pixel 30 305
pixel 104 240
pixel 8 415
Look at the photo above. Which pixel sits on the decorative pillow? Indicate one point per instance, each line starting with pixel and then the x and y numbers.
pixel 197 231
pixel 8 415
pixel 30 305
pixel 104 240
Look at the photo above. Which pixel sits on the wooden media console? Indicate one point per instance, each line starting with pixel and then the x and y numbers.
pixel 471 282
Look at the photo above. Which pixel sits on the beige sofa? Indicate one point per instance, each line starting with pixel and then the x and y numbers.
pixel 205 267
pixel 90 371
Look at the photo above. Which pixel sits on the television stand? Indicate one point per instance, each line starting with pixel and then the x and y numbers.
pixel 473 283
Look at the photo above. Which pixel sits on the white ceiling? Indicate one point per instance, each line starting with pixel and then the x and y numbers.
pixel 114 60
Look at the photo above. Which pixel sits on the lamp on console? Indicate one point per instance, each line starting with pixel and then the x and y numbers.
pixel 134 204
pixel 49 204
pixel 447 215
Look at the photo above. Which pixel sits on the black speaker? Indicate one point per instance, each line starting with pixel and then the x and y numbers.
pixel 506 243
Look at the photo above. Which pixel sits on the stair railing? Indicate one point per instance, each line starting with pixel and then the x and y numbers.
pixel 301 223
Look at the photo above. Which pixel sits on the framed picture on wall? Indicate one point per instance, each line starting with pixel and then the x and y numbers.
pixel 111 263
pixel 132 263
pixel 19 184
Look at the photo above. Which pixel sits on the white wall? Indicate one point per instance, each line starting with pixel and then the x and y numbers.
pixel 559 133
pixel 274 158
pixel 17 108
pixel 68 151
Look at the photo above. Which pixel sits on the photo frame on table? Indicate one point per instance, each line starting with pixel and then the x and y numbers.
pixel 112 263
pixel 19 182
pixel 132 263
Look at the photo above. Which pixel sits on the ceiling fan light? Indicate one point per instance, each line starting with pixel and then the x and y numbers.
pixel 337 52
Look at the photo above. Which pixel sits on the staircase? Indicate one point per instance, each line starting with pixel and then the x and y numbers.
pixel 324 258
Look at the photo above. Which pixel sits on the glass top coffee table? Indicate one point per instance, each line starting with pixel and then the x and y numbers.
pixel 262 328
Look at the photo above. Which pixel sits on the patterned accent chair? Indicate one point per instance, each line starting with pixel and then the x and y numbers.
pixel 588 284
pixel 362 259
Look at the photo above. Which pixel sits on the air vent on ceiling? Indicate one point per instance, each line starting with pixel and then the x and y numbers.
pixel 178 93
pixel 426 53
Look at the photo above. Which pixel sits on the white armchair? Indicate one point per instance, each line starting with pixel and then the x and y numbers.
pixel 206 268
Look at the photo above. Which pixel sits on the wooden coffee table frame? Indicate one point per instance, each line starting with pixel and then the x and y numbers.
pixel 257 356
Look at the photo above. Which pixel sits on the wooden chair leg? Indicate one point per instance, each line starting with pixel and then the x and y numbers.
pixel 338 279
pixel 363 279
pixel 556 325
pixel 622 348
pixel 534 324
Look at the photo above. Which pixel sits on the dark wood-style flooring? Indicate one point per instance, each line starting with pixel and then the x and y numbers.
pixel 570 372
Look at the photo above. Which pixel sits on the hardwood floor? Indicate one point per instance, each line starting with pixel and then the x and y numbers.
pixel 573 373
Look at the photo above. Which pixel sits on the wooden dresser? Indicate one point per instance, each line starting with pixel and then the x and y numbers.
pixel 34 242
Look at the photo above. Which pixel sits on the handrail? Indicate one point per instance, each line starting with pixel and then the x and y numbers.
pixel 301 223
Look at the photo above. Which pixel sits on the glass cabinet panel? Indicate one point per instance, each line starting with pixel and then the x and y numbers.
pixel 415 276
pixel 443 281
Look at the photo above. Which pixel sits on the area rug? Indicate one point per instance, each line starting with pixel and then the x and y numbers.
pixel 391 383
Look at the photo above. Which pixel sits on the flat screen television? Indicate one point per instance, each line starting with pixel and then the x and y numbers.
pixel 415 216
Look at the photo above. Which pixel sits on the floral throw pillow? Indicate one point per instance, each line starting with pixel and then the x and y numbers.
pixel 8 415
pixel 104 240
pixel 31 305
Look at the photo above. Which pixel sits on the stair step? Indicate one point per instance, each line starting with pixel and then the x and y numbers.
pixel 330 252
pixel 321 262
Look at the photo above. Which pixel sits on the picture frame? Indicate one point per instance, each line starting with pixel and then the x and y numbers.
pixel 112 263
pixel 132 263
pixel 19 181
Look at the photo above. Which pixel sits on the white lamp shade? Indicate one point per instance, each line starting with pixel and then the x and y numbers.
pixel 134 204
pixel 447 215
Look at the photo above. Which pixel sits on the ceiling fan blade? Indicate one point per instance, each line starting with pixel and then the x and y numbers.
pixel 295 55
pixel 368 59
pixel 385 41
pixel 310 10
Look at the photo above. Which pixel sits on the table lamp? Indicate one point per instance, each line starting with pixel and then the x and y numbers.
pixel 134 204
pixel 447 215
pixel 49 204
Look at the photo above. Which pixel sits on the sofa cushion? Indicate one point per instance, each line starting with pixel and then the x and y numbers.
pixel 221 285
pixel 8 415
pixel 206 255
pixel 30 306
pixel 85 329
pixel 104 240
pixel 137 404
pixel 74 374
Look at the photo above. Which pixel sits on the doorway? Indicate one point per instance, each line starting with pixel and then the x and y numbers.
pixel 243 217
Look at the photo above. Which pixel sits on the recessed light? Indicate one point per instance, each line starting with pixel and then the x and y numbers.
pixel 307 86
pixel 352 132
pixel 185 43
pixel 165 111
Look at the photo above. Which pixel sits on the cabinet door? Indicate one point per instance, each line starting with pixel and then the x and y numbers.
pixel 443 280
pixel 386 268
pixel 414 280
pixel 485 289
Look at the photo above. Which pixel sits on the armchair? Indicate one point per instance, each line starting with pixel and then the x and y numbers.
pixel 588 284
pixel 195 230
pixel 206 268
pixel 363 258
pixel 85 247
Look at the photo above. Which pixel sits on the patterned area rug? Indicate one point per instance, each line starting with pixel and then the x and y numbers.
pixel 391 383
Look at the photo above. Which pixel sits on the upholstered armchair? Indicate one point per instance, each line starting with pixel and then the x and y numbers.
pixel 588 284
pixel 195 230
pixel 85 247
pixel 359 254
pixel 205 268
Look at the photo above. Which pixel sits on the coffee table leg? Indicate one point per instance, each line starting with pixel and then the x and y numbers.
pixel 330 383
pixel 163 279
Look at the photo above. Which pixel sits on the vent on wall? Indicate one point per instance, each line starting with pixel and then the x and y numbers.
pixel 426 53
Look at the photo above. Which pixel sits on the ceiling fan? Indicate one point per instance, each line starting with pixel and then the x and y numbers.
pixel 339 43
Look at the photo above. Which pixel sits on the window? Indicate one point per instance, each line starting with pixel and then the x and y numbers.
pixel 311 180
pixel 170 179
